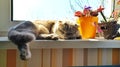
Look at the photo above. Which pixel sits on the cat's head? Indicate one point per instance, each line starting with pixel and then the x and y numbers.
pixel 110 29
pixel 67 30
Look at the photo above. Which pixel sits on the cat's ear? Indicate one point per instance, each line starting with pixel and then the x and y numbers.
pixel 77 25
pixel 114 22
pixel 65 24
pixel 60 22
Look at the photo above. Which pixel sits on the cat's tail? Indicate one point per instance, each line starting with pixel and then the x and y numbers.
pixel 20 37
pixel 25 53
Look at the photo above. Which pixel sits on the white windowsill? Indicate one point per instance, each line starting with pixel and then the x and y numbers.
pixel 91 43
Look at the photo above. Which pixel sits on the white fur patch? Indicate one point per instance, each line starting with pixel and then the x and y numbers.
pixel 119 30
pixel 118 21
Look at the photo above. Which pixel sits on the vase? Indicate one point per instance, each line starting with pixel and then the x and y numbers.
pixel 88 25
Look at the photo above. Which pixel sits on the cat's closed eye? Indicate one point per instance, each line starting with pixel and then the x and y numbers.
pixel 103 28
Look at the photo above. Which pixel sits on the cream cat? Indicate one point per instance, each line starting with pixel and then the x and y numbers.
pixel 26 32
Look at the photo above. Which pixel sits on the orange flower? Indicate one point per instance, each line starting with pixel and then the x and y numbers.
pixel 78 14
pixel 100 9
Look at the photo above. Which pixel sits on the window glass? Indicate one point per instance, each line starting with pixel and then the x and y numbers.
pixel 55 9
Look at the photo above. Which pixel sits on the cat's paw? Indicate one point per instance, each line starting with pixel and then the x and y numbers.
pixel 48 37
pixel 79 37
pixel 54 37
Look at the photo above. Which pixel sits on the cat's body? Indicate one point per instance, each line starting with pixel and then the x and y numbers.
pixel 61 29
pixel 26 32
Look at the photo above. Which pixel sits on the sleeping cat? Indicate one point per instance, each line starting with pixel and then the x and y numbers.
pixel 110 29
pixel 28 31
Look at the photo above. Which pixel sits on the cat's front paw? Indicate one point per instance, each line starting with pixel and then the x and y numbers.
pixel 79 37
pixel 54 37
pixel 48 37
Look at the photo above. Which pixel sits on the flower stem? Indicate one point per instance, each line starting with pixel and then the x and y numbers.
pixel 103 16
